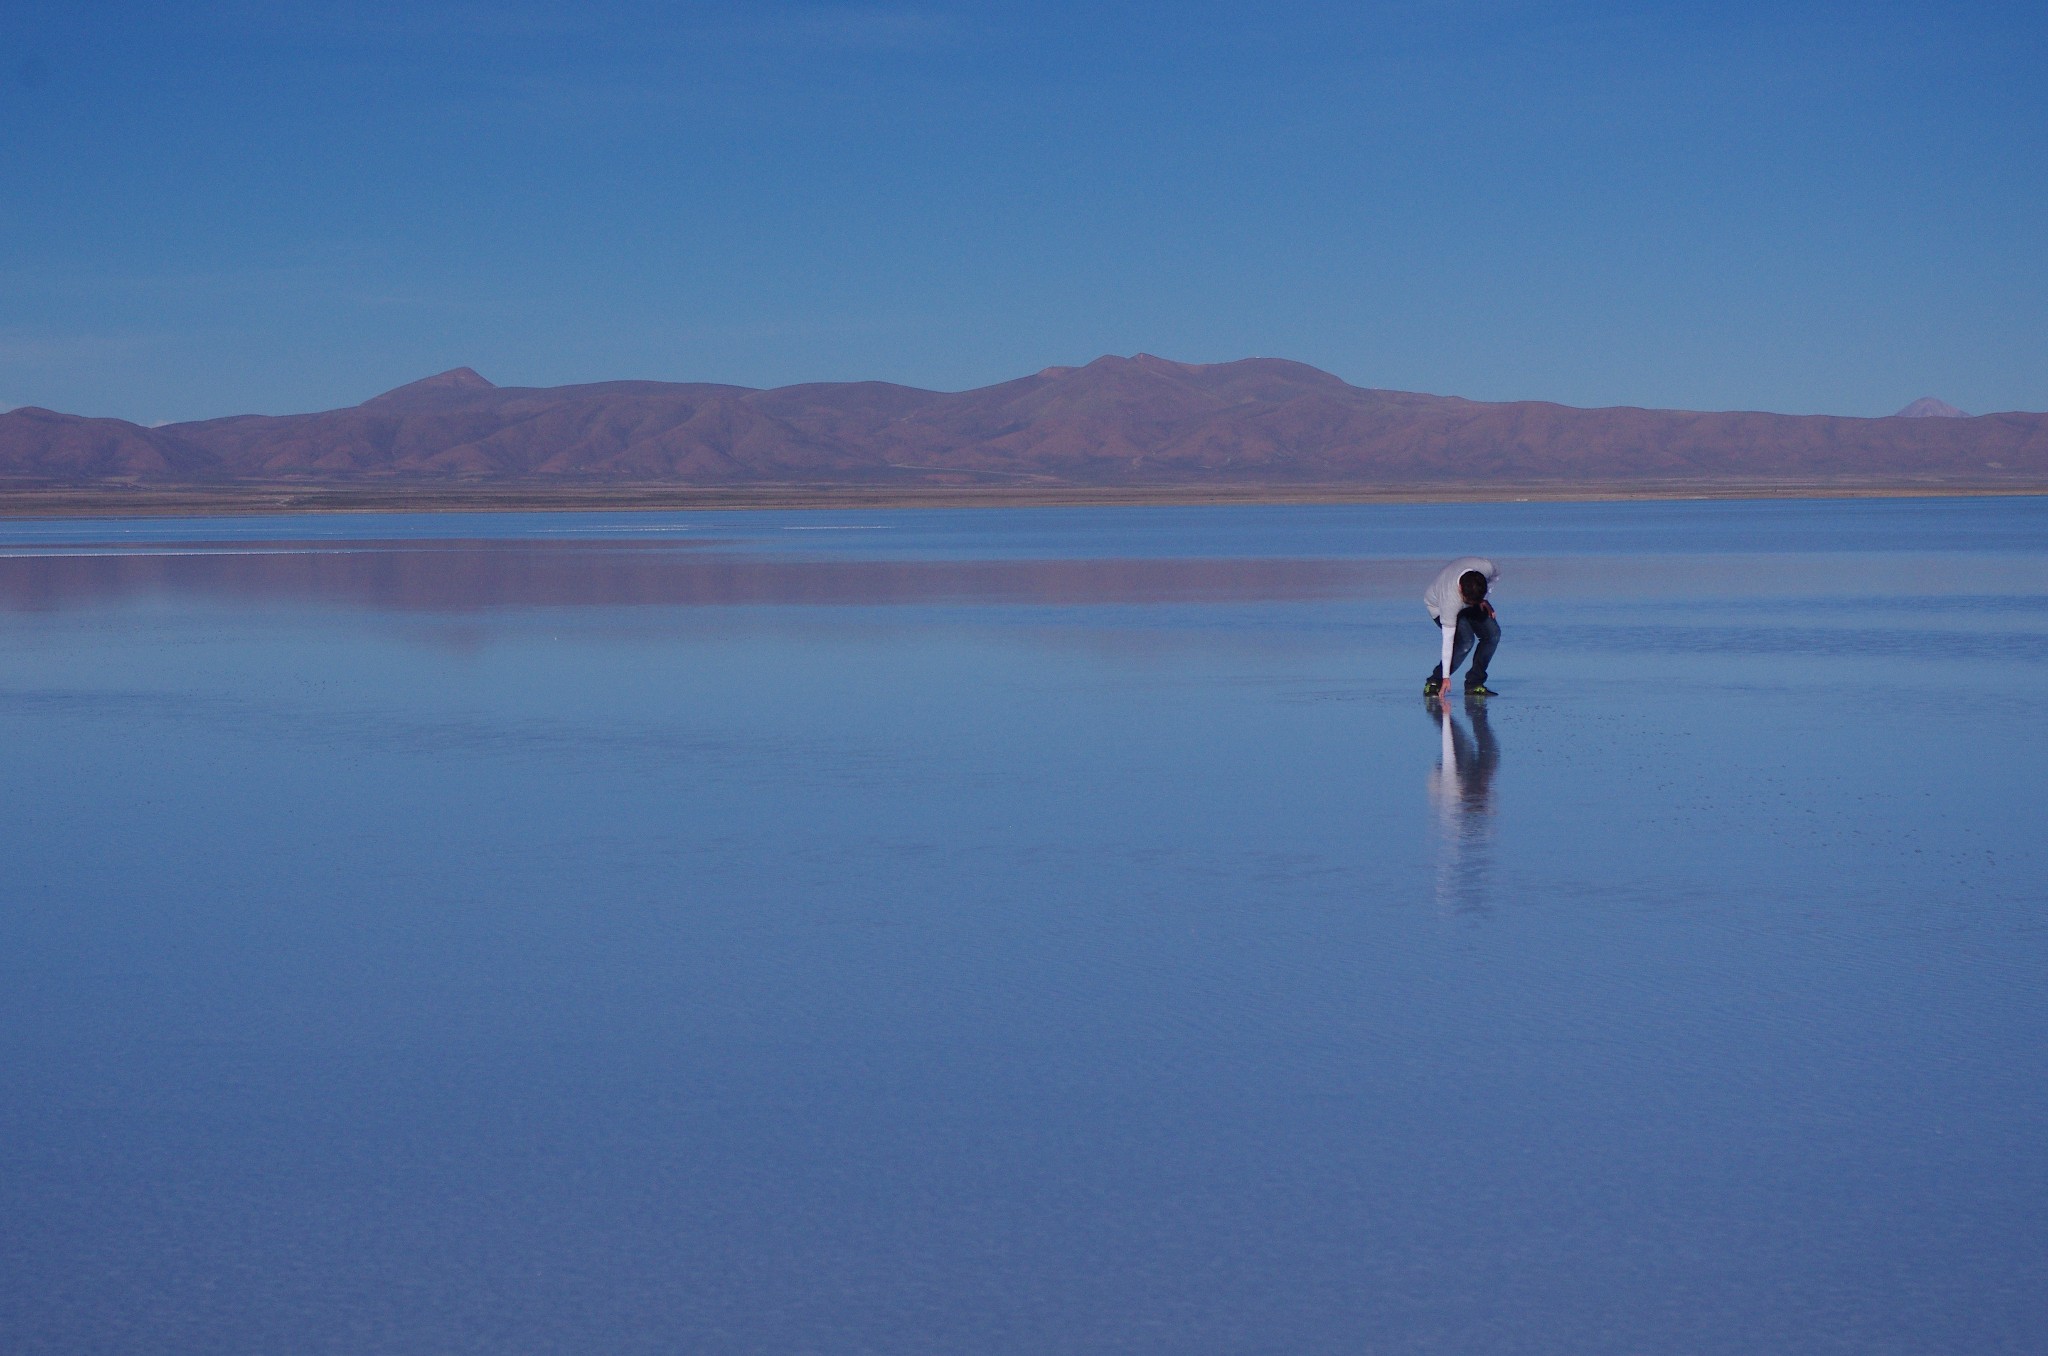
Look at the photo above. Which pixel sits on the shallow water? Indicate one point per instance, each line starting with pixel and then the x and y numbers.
pixel 1049 931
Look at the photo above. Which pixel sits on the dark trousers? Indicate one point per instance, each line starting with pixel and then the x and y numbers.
pixel 1475 626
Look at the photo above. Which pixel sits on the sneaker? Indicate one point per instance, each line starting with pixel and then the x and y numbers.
pixel 1481 691
pixel 1432 686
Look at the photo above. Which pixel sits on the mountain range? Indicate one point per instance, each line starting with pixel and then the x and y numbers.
pixel 1133 422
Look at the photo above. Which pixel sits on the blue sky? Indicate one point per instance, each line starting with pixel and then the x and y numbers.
pixel 275 206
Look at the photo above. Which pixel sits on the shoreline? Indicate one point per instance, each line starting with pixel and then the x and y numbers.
pixel 168 501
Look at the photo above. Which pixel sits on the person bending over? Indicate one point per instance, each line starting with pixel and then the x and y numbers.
pixel 1457 604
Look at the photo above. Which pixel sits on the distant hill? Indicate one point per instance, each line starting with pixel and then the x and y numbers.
pixel 1926 407
pixel 1117 422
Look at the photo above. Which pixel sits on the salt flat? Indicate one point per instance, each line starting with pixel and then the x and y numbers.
pixel 1025 931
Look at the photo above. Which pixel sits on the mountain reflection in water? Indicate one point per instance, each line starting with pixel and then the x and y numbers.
pixel 465 575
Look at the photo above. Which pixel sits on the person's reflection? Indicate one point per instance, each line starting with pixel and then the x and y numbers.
pixel 1462 788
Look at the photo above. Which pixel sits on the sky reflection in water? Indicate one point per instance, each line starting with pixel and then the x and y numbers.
pixel 1025 932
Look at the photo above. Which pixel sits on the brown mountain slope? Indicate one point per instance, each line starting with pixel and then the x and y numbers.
pixel 1140 421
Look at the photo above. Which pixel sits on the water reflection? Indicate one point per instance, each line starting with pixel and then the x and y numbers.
pixel 1461 790
pixel 470 575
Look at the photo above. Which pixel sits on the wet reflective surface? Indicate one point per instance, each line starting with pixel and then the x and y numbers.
pixel 1025 932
